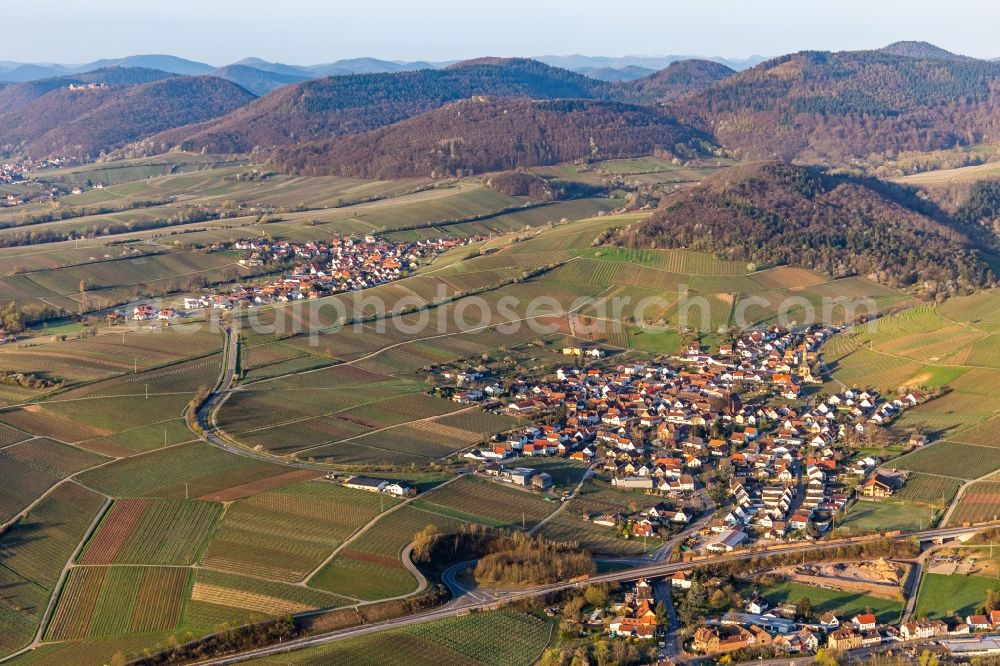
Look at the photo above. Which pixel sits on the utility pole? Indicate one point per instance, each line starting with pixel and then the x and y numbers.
pixel 147 391
pixel 164 438
pixel 185 491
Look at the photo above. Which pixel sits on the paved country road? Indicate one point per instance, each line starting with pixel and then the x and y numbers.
pixel 471 604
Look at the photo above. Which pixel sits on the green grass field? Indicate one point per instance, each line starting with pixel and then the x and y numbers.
pixel 888 515
pixel 941 595
pixel 842 604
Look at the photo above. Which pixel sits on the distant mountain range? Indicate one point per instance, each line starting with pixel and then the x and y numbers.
pixel 605 68
pixel 817 107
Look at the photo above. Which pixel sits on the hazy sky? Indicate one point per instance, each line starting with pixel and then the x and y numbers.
pixel 314 31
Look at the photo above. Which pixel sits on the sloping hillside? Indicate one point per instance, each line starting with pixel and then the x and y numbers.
pixel 15 95
pixel 774 213
pixel 258 81
pixel 840 107
pixel 924 50
pixel 322 108
pixel 64 122
pixel 677 80
pixel 480 135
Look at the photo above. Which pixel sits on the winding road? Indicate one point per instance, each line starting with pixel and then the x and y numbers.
pixel 467 603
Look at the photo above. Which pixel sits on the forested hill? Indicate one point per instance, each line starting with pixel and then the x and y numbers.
pixel 479 135
pixel 836 108
pixel 679 79
pixel 921 50
pixel 257 81
pixel 83 123
pixel 333 106
pixel 14 95
pixel 775 213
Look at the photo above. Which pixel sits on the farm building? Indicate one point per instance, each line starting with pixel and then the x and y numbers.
pixel 390 487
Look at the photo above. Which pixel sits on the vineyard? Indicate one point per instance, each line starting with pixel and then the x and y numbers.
pixel 35 551
pixel 498 505
pixel 217 594
pixel 29 469
pixel 150 531
pixel 284 534
pixel 195 470
pixel 984 434
pixel 980 502
pixel 112 601
pixel 936 490
pixel 501 638
pixel 369 567
pixel 960 461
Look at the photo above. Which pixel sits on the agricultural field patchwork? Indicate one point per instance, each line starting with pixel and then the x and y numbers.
pixel 284 534
pixel 114 601
pixel 195 470
pixel 35 551
pixel 369 567
pixel 31 468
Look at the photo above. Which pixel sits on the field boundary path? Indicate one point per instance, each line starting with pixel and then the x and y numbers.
pixel 645 571
pixel 58 588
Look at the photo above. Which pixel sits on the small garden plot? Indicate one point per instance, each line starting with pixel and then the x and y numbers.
pixel 195 470
pixel 153 531
pixel 960 461
pixel 113 601
pixel 285 533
